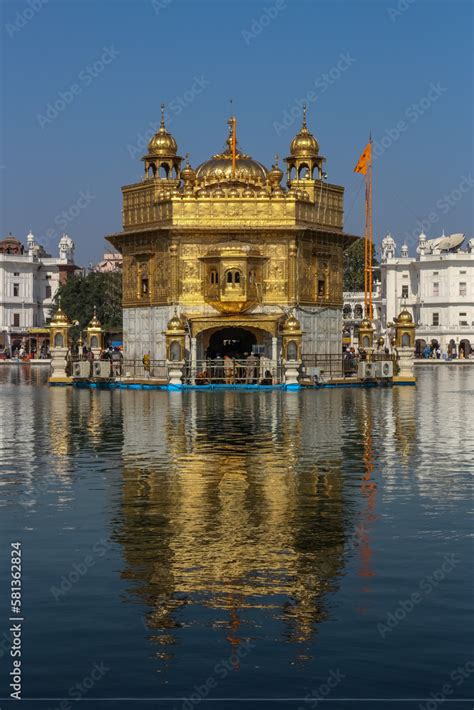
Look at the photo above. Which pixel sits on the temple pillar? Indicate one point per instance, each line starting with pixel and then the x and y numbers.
pixel 274 349
pixel 292 286
pixel 193 357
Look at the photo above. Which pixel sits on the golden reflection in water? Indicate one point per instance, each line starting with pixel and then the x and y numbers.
pixel 404 403
pixel 369 494
pixel 60 430
pixel 221 512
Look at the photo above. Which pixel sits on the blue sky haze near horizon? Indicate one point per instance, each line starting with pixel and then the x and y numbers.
pixel 82 84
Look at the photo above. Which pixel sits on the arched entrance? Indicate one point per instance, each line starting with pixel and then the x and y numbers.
pixel 465 347
pixel 231 341
pixel 420 345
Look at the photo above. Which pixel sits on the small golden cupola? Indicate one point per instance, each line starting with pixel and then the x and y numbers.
pixel 275 176
pixel 188 175
pixel 162 160
pixel 304 164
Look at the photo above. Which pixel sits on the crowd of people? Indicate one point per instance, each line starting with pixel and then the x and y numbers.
pixel 432 351
pixel 249 368
pixel 19 352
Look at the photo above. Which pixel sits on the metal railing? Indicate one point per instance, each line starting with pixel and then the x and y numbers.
pixel 337 366
pixel 328 366
pixel 137 369
pixel 233 371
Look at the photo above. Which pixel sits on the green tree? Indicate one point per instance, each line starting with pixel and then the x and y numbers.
pixel 80 293
pixel 354 261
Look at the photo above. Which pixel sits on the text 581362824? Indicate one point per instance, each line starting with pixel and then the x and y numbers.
pixel 17 618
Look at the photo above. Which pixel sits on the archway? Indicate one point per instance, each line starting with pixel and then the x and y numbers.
pixel 465 347
pixel 231 341
pixel 304 172
pixel 420 345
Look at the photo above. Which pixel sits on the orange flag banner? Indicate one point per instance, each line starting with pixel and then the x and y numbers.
pixel 364 159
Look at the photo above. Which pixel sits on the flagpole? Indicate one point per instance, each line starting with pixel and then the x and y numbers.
pixel 364 166
pixel 371 242
pixel 368 246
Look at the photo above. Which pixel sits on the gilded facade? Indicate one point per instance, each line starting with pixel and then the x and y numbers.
pixel 232 251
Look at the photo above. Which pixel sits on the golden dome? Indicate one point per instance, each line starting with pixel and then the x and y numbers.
pixel 365 324
pixel 60 318
pixel 304 144
pixel 219 168
pixel 404 317
pixel 162 145
pixel 175 323
pixel 291 324
pixel 95 323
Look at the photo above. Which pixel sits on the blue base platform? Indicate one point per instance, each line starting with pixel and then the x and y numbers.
pixel 84 384
pixel 181 388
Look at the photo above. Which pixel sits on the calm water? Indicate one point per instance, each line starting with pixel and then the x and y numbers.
pixel 233 550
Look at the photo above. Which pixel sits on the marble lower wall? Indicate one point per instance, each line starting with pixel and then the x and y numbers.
pixel 143 331
pixel 322 330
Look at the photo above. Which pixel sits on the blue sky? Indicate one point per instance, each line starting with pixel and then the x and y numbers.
pixel 401 69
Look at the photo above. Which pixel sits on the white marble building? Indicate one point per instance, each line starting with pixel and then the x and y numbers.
pixel 353 311
pixel 29 279
pixel 436 285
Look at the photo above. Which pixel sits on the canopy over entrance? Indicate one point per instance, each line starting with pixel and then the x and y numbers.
pixel 231 341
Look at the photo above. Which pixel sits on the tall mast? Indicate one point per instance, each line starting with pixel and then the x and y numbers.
pixel 368 247
pixel 364 167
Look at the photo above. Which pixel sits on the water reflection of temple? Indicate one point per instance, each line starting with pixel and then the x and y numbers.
pixel 224 512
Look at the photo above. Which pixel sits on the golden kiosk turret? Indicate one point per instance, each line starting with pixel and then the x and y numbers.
pixel 291 344
pixel 59 345
pixel 405 346
pixel 366 335
pixel 404 330
pixel 175 354
pixel 291 338
pixel 175 334
pixel 304 164
pixel 95 335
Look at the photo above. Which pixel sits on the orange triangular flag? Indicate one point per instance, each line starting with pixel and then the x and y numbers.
pixel 364 159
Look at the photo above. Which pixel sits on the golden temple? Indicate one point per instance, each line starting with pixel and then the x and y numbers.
pixel 230 252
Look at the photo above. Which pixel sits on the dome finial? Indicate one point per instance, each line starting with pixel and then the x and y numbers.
pixel 162 107
pixel 304 115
